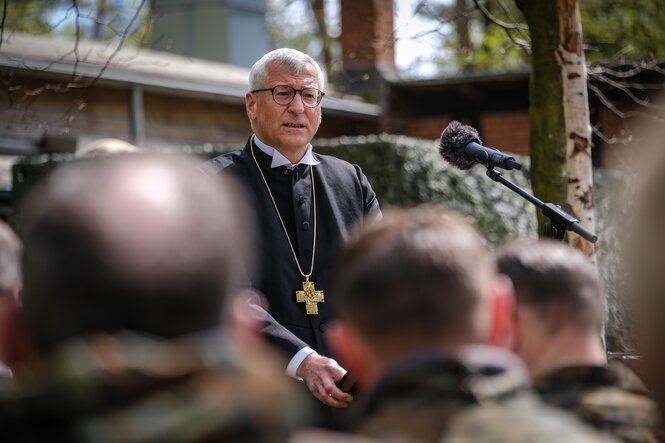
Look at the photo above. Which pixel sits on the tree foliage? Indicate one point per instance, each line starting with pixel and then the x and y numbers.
pixel 107 20
pixel 470 40
pixel 290 25
pixel 27 15
pixel 623 30
pixel 614 31
pixel 117 22
pixel 307 25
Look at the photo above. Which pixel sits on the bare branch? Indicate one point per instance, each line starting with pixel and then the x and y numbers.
pixel 123 37
pixel 421 7
pixel 2 23
pixel 441 22
pixel 102 24
pixel 625 84
pixel 497 21
pixel 21 62
pixel 507 27
pixel 609 105
pixel 522 30
pixel 318 11
pixel 651 65
pixel 98 23
pixel 435 30
pixel 79 102
pixel 77 38
pixel 622 87
pixel 55 87
pixel 63 19
pixel 612 140
pixel 622 160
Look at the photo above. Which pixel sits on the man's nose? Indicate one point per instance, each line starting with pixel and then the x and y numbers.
pixel 297 105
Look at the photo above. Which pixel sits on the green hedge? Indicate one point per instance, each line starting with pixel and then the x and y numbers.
pixel 406 171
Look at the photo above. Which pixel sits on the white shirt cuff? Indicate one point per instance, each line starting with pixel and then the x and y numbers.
pixel 296 360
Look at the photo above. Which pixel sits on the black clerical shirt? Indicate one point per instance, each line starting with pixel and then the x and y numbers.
pixel 344 198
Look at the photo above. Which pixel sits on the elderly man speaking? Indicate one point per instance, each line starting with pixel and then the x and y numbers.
pixel 305 205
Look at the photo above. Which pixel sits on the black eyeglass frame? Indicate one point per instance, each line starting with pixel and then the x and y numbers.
pixel 272 93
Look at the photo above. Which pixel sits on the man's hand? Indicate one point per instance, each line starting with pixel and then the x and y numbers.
pixel 320 374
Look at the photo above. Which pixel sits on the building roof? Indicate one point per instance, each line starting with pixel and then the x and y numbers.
pixel 465 79
pixel 152 70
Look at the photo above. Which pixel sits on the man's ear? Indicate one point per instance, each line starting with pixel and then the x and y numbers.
pixel 250 105
pixel 502 318
pixel 352 351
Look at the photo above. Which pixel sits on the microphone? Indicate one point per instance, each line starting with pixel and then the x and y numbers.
pixel 461 146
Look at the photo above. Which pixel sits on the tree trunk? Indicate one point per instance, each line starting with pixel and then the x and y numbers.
pixel 559 112
pixel 318 9
pixel 101 17
pixel 464 46
pixel 579 202
pixel 548 128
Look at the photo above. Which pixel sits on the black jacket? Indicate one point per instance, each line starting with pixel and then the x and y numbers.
pixel 343 197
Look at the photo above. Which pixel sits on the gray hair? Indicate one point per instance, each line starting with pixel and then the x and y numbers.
pixel 10 259
pixel 291 59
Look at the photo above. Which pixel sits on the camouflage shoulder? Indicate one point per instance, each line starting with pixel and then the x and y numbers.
pixel 315 435
pixel 626 377
pixel 519 422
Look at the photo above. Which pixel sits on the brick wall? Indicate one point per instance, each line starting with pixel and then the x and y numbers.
pixel 427 127
pixel 367 37
pixel 506 131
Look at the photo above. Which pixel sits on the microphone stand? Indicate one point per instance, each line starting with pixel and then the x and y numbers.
pixel 559 220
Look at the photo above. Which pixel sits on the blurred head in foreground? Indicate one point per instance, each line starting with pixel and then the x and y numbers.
pixel 105 146
pixel 129 265
pixel 645 261
pixel 560 305
pixel 420 280
pixel 11 331
pixel 143 243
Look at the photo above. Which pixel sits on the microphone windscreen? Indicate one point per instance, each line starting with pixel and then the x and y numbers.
pixel 454 139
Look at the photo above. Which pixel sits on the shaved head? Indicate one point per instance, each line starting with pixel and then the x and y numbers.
pixel 129 242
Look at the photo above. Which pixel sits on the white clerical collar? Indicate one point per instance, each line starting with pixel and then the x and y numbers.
pixel 278 158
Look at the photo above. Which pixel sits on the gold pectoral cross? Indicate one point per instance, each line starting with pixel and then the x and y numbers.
pixel 310 296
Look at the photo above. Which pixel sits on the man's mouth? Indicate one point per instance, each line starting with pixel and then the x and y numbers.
pixel 294 125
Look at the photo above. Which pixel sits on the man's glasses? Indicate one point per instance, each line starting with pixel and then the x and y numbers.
pixel 284 95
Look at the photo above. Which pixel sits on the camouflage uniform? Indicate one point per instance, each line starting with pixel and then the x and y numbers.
pixel 610 398
pixel 129 388
pixel 416 399
pixel 519 420
pixel 312 435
